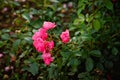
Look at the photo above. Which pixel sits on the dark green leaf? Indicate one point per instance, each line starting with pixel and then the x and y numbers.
pixel 114 51
pixel 16 44
pixel 95 53
pixel 23 54
pixel 28 39
pixel 109 4
pixel 51 71
pixel 74 63
pixel 1 43
pixel 5 30
pixel 37 23
pixel 34 68
pixel 82 75
pixel 89 64
pixel 5 36
pixel 26 16
pixel 86 36
pixel 16 3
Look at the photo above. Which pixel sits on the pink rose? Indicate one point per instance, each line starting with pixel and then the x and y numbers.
pixel 47 58
pixel 1 55
pixel 7 68
pixel 65 36
pixel 70 4
pixel 41 33
pixel 39 45
pixel 48 25
pixel 49 45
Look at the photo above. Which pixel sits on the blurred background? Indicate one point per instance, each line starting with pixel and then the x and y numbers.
pixel 92 54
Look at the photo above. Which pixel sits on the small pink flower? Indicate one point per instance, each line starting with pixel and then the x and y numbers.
pixel 1 55
pixel 5 9
pixel 7 68
pixel 40 34
pixel 47 58
pixel 64 6
pixel 49 45
pixel 11 67
pixel 65 36
pixel 70 4
pixel 39 45
pixel 48 25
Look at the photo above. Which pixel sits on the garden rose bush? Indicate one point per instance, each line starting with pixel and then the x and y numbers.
pixel 42 45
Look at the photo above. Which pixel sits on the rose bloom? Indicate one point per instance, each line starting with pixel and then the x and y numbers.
pixel 70 4
pixel 48 25
pixel 39 45
pixel 1 55
pixel 49 45
pixel 7 68
pixel 47 58
pixel 65 36
pixel 41 33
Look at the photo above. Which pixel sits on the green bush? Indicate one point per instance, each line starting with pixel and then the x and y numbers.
pixel 91 54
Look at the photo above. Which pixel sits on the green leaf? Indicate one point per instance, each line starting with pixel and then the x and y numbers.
pixel 23 54
pixel 65 54
pixel 28 39
pixel 5 30
pixel 5 36
pixel 76 21
pixel 51 70
pixel 95 53
pixel 34 68
pixel 114 51
pixel 81 17
pixel 89 18
pixel 86 36
pixel 96 24
pixel 82 75
pixel 38 57
pixel 16 45
pixel 89 64
pixel 16 3
pixel 1 43
pixel 74 63
pixel 36 23
pixel 26 16
pixel 109 4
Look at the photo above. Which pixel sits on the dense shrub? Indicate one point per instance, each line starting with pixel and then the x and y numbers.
pixel 91 54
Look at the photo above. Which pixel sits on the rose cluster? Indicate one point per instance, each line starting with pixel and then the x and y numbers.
pixel 42 45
